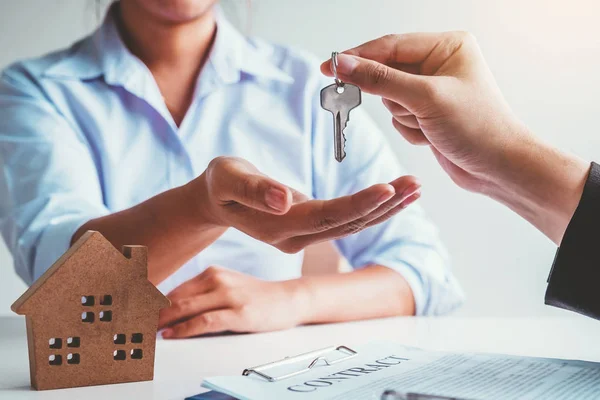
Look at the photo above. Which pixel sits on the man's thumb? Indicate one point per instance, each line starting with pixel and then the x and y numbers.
pixel 379 79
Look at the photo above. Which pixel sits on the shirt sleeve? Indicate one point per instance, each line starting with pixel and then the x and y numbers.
pixel 575 276
pixel 49 183
pixel 408 242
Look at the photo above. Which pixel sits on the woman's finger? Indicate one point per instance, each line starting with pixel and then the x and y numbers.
pixel 195 286
pixel 208 322
pixel 187 307
pixel 328 214
pixel 314 216
pixel 404 204
pixel 405 187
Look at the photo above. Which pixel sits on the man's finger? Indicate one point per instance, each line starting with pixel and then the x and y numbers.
pixel 401 114
pixel 237 183
pixel 209 322
pixel 409 121
pixel 394 108
pixel 412 135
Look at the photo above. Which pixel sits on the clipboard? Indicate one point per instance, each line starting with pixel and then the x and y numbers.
pixel 393 371
pixel 313 358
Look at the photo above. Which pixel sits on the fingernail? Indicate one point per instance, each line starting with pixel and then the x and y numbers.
pixel 385 197
pixel 346 64
pixel 411 199
pixel 167 333
pixel 276 199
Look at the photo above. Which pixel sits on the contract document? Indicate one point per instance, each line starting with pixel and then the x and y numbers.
pixel 378 367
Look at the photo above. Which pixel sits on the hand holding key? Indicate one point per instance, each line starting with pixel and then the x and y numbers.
pixel 440 92
pixel 233 193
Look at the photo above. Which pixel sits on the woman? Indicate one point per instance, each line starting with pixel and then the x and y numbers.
pixel 133 131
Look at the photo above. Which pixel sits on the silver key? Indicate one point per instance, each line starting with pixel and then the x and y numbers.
pixel 339 99
pixel 340 105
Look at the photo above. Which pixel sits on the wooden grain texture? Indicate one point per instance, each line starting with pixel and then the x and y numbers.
pixel 53 306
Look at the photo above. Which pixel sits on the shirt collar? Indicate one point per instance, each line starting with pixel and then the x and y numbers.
pixel 232 56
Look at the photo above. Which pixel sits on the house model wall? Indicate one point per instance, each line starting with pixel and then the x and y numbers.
pixel 92 317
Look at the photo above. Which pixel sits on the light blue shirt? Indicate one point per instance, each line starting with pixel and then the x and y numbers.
pixel 85 132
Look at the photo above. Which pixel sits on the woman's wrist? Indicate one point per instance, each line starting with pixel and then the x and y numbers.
pixel 195 198
pixel 540 183
pixel 299 295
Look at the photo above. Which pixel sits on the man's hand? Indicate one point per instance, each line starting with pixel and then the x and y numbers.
pixel 441 93
pixel 233 193
pixel 220 300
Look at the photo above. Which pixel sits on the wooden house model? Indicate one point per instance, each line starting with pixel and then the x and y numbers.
pixel 92 317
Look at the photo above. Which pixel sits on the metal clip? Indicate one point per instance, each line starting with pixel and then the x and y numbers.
pixel 316 357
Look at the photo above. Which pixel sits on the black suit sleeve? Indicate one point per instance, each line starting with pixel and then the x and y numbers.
pixel 574 281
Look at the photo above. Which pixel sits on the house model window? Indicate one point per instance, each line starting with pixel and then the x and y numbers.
pixel 73 341
pixel 137 338
pixel 73 358
pixel 55 359
pixel 119 338
pixel 105 316
pixel 87 316
pixel 55 343
pixel 87 300
pixel 136 354
pixel 106 300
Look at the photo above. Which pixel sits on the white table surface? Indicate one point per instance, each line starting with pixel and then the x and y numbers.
pixel 181 364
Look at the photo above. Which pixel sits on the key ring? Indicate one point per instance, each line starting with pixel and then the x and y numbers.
pixel 334 64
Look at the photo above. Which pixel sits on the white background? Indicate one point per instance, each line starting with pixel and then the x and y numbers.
pixel 544 53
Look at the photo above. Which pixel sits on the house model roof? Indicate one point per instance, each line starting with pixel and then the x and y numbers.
pixel 91 258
